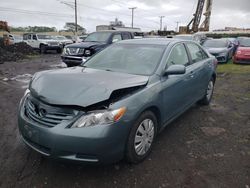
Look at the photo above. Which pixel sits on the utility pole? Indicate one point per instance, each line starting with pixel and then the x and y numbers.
pixel 132 9
pixel 161 17
pixel 177 26
pixel 75 18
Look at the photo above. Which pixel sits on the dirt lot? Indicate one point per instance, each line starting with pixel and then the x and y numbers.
pixel 205 147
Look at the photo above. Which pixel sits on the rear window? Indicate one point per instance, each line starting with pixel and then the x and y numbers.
pixel 197 54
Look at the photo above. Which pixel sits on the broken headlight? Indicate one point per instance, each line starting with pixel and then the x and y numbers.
pixel 99 118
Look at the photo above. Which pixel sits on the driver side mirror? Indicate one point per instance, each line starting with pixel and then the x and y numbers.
pixel 175 69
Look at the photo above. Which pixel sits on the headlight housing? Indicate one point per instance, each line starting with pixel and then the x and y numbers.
pixel 100 117
pixel 87 52
pixel 65 51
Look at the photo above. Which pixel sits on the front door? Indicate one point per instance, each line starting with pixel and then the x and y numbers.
pixel 176 93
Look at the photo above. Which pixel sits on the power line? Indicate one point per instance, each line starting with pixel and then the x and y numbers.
pixel 33 12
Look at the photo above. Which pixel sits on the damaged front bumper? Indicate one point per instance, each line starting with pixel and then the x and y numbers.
pixel 95 144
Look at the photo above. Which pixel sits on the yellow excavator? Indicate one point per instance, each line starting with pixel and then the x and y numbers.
pixel 195 22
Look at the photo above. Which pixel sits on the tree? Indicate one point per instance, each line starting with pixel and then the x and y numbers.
pixel 70 26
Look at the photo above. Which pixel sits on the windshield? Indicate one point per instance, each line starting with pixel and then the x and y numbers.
pixel 98 37
pixel 215 43
pixel 17 37
pixel 128 58
pixel 44 37
pixel 60 37
pixel 245 42
pixel 184 37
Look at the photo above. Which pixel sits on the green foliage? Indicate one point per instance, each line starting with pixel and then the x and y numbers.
pixel 70 26
pixel 233 68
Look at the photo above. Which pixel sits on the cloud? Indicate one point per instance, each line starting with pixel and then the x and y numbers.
pixel 95 12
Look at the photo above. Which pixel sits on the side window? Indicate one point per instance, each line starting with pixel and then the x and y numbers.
pixel 197 54
pixel 34 37
pixel 178 56
pixel 125 36
pixel 29 37
pixel 116 38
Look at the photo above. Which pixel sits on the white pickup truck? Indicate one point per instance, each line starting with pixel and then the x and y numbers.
pixel 42 42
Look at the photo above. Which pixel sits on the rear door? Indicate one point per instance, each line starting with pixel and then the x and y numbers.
pixel 35 41
pixel 198 70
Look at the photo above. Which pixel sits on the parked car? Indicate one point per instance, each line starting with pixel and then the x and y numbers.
pixel 13 38
pixel 63 40
pixel 75 54
pixel 114 105
pixel 42 42
pixel 235 43
pixel 242 54
pixel 222 49
pixel 197 37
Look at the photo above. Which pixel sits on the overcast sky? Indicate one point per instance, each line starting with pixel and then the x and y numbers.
pixel 234 13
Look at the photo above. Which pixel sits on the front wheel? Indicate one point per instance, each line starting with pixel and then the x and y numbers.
pixel 209 93
pixel 141 137
pixel 42 49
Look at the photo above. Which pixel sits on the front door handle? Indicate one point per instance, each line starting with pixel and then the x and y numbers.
pixel 191 74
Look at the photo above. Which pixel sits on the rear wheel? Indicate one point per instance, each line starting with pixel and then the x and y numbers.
pixel 141 137
pixel 209 93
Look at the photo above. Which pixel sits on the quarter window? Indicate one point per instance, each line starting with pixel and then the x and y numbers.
pixel 116 38
pixel 197 54
pixel 178 56
pixel 126 36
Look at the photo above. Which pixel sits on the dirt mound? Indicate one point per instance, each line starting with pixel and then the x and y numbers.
pixel 15 52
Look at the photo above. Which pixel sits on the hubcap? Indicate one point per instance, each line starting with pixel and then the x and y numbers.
pixel 144 137
pixel 210 90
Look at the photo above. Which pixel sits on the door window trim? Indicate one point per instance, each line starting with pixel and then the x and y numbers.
pixel 179 43
pixel 189 53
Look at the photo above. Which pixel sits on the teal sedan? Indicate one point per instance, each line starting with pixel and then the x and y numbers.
pixel 114 105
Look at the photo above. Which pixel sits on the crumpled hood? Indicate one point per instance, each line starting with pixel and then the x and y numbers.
pixel 85 44
pixel 216 50
pixel 80 86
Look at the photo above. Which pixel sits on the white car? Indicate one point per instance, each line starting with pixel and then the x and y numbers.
pixel 42 42
pixel 63 40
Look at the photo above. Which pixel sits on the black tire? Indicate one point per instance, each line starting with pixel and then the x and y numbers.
pixel 131 154
pixel 42 49
pixel 59 51
pixel 207 98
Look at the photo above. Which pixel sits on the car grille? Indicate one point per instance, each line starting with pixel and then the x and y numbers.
pixel 215 54
pixel 75 51
pixel 46 115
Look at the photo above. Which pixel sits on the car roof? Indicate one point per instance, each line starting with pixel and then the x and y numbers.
pixel 152 41
pixel 111 31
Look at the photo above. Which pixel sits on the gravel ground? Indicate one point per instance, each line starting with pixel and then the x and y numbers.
pixel 205 147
